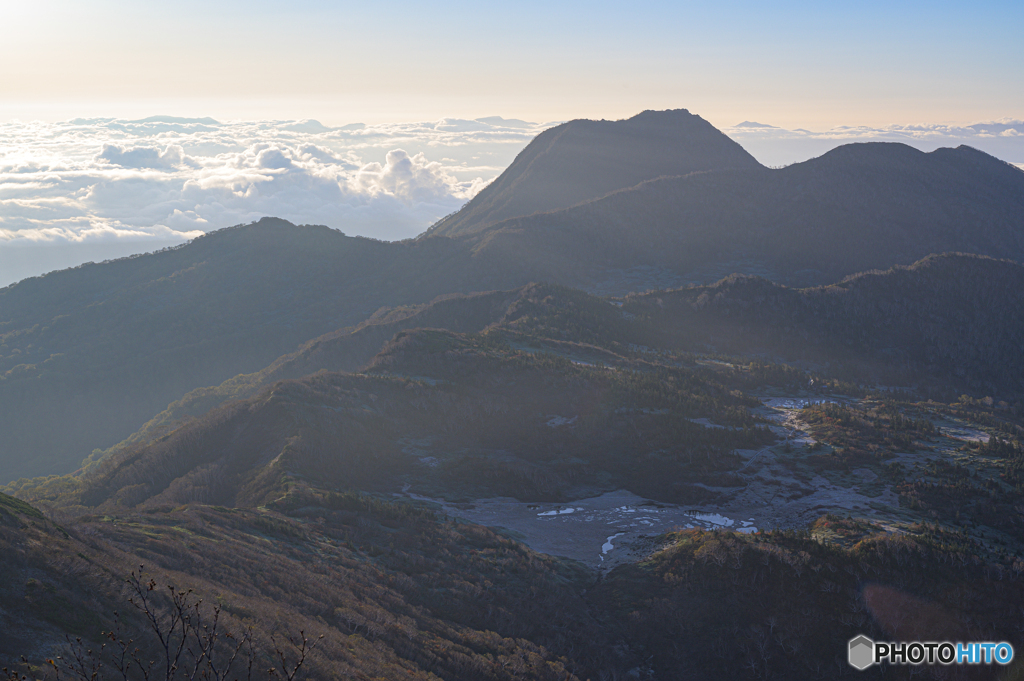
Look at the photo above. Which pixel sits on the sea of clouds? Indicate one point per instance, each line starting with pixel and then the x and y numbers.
pixel 171 177
pixel 109 187
pixel 91 189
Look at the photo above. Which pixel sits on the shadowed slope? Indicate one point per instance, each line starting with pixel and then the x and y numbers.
pixel 89 354
pixel 948 318
pixel 582 160
pixel 458 414
pixel 348 349
pixel 394 590
pixel 859 207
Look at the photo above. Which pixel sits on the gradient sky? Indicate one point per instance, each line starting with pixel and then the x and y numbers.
pixel 792 64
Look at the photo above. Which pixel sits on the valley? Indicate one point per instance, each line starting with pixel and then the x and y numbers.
pixel 600 532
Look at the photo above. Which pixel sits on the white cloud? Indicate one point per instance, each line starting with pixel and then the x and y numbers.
pixel 101 181
pixel 142 157
pixel 409 178
pixel 106 182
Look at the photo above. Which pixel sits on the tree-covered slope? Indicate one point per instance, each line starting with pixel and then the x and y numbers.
pixel 395 591
pixel 953 319
pixel 948 322
pixel 462 416
pixel 783 605
pixel 89 354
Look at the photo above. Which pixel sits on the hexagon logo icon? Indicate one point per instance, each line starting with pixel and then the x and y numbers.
pixel 862 652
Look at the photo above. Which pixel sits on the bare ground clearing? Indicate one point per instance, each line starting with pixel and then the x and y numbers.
pixel 778 492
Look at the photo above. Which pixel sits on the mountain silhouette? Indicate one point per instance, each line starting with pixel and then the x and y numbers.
pixel 859 207
pixel 582 160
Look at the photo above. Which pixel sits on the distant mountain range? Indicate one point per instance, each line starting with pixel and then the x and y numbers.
pixel 90 354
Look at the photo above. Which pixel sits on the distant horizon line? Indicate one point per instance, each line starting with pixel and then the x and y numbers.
pixel 335 122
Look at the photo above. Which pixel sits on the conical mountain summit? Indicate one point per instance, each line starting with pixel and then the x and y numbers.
pixel 582 160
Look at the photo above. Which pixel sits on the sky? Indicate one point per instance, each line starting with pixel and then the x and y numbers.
pixel 794 64
pixel 272 94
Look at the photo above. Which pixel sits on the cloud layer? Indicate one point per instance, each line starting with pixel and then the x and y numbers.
pixel 162 178
pixel 93 188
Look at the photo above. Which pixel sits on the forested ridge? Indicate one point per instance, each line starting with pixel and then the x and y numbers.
pixel 949 321
pixel 954 318
pixel 475 405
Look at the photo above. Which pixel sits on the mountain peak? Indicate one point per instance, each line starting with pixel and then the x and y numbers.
pixel 665 115
pixel 584 159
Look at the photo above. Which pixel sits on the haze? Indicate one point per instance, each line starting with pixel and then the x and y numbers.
pixel 511 341
pixel 793 64
pixel 82 179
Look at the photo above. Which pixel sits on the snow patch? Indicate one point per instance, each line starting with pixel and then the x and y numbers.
pixel 608 545
pixel 795 402
pixel 715 519
pixel 557 421
pixel 562 511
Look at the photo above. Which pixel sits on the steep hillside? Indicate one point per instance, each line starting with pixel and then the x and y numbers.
pixel 582 160
pixel 394 590
pixel 397 591
pixel 952 319
pixel 859 207
pixel 87 355
pixel 348 349
pixel 462 416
